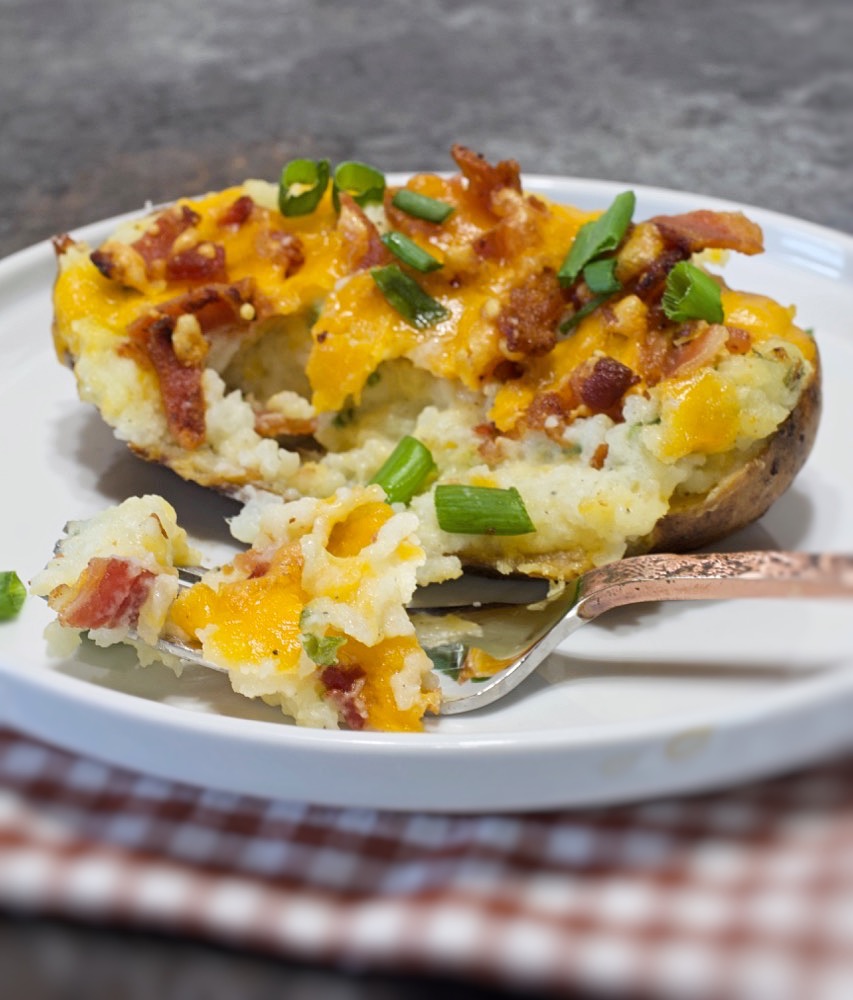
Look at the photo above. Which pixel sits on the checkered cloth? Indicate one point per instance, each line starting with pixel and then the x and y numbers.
pixel 747 894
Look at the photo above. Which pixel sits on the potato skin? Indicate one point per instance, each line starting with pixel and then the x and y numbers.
pixel 748 492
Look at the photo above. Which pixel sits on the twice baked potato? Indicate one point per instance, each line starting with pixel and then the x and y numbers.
pixel 569 387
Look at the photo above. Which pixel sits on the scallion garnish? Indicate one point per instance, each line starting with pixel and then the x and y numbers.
pixel 690 293
pixel 600 276
pixel 481 510
pixel 405 470
pixel 582 313
pixel 421 206
pixel 598 237
pixel 407 297
pixel 365 184
pixel 302 185
pixel 12 594
pixel 409 252
pixel 322 649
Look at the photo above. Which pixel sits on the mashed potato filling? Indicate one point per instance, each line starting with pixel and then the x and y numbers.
pixel 311 617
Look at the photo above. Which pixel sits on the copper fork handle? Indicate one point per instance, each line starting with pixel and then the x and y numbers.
pixel 665 577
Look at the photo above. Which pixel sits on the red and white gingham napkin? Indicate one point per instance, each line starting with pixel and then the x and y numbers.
pixel 747 894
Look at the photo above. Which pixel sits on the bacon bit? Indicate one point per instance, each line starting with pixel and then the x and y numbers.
pixel 237 213
pixel 484 179
pixel 284 249
pixel 202 262
pixel 215 308
pixel 703 342
pixel 506 371
pixel 704 229
pixel 180 385
pixel 486 430
pixel 62 243
pixel 528 322
pixel 272 425
pixel 361 239
pixel 252 563
pixel 547 411
pixel 739 341
pixel 108 594
pixel 599 456
pixel 344 686
pixel 649 284
pixel 157 241
pixel 601 383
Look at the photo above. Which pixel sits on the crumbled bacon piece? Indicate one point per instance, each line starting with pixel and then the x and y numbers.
pixel 364 248
pixel 486 179
pixel 217 308
pixel 157 241
pixel 180 384
pixel 546 409
pixel 108 594
pixel 599 456
pixel 202 262
pixel 284 249
pixel 62 242
pixel 237 213
pixel 528 322
pixel 696 348
pixel 704 229
pixel 344 686
pixel 602 383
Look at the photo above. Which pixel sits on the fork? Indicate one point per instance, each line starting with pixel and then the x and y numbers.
pixel 516 639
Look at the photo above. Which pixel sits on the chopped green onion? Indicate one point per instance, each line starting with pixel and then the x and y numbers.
pixel 481 510
pixel 302 185
pixel 597 237
pixel 322 649
pixel 409 252
pixel 600 276
pixel 12 594
pixel 582 313
pixel 364 183
pixel 405 470
pixel 407 297
pixel 690 293
pixel 421 206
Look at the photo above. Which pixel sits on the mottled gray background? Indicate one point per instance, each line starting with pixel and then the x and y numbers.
pixel 106 105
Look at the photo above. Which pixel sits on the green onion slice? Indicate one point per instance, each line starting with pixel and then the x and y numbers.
pixel 405 470
pixel 421 206
pixel 690 293
pixel 598 237
pixel 407 297
pixel 12 594
pixel 584 311
pixel 364 183
pixel 322 649
pixel 302 185
pixel 410 253
pixel 600 276
pixel 481 510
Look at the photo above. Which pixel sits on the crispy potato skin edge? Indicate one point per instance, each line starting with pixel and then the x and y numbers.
pixel 746 494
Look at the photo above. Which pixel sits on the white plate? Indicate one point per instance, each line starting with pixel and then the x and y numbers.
pixel 649 701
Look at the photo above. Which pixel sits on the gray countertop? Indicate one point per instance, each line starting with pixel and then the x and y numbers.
pixel 107 106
